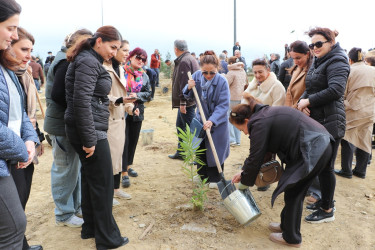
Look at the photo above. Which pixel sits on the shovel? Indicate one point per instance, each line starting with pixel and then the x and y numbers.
pixel 225 187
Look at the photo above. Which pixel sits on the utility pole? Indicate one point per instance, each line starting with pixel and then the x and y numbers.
pixel 102 12
pixel 235 23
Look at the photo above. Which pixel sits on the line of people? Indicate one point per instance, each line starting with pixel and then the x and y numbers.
pixel 97 87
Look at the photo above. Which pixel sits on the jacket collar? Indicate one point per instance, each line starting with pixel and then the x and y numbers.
pixel 178 59
pixel 236 66
pixel 267 84
pixel 96 55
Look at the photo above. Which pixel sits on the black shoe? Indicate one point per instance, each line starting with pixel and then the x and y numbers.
pixel 125 241
pixel 320 216
pixel 359 174
pixel 265 188
pixel 35 247
pixel 176 156
pixel 87 236
pixel 343 174
pixel 315 206
pixel 132 173
pixel 125 181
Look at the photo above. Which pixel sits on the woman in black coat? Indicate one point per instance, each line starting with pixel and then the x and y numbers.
pixel 305 147
pixel 323 99
pixel 86 118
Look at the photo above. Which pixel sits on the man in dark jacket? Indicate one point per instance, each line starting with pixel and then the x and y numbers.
pixel 37 73
pixel 184 63
pixel 275 64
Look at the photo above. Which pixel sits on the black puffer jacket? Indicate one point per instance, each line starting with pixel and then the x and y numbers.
pixel 87 85
pixel 325 87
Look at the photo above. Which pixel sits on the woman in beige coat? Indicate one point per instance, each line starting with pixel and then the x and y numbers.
pixel 359 102
pixel 265 85
pixel 302 58
pixel 119 104
pixel 237 79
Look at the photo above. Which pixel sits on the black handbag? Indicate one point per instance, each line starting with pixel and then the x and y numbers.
pixel 269 173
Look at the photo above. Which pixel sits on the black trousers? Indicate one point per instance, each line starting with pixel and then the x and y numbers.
pixel 97 196
pixel 294 196
pixel 315 185
pixel 116 181
pixel 205 171
pixel 361 158
pixel 131 140
pixel 23 178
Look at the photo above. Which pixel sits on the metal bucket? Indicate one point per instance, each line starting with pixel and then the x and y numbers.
pixel 242 206
pixel 147 136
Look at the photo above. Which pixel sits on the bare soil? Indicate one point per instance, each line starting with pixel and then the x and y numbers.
pixel 161 196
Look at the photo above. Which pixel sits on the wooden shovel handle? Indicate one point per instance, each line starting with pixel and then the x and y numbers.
pixel 40 104
pixel 208 131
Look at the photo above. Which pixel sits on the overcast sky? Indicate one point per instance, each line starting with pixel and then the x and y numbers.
pixel 263 26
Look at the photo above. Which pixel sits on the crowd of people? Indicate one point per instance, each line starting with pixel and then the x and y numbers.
pixel 300 111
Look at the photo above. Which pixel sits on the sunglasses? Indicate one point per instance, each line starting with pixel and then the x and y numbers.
pixel 138 57
pixel 208 73
pixel 317 44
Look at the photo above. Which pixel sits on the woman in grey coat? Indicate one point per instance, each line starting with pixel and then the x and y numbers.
pixel 213 92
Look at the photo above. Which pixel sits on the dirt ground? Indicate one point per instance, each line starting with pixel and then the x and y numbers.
pixel 161 192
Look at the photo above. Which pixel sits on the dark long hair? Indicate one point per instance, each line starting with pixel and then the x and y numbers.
pixel 106 33
pixel 243 111
pixel 8 8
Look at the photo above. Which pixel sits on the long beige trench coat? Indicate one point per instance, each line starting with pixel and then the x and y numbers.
pixel 360 105
pixel 116 124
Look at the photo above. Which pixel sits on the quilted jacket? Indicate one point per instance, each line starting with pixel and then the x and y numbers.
pixel 12 147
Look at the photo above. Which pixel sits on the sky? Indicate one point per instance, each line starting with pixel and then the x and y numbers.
pixel 263 27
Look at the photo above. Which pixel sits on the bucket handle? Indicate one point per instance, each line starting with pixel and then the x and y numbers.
pixel 230 183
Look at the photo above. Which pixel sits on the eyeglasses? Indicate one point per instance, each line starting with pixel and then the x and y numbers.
pixel 318 44
pixel 138 57
pixel 208 73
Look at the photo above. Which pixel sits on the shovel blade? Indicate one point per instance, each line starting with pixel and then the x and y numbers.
pixel 225 188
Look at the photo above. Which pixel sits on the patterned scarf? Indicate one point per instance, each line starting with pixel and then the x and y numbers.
pixel 134 78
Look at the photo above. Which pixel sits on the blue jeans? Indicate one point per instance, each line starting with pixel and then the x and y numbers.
pixel 37 84
pixel 157 71
pixel 65 178
pixel 234 133
pixel 182 119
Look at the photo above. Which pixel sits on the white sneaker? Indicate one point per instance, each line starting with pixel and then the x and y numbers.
pixel 122 195
pixel 213 185
pixel 73 221
pixel 115 202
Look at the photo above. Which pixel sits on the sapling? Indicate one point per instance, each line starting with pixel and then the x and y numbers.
pixel 189 150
